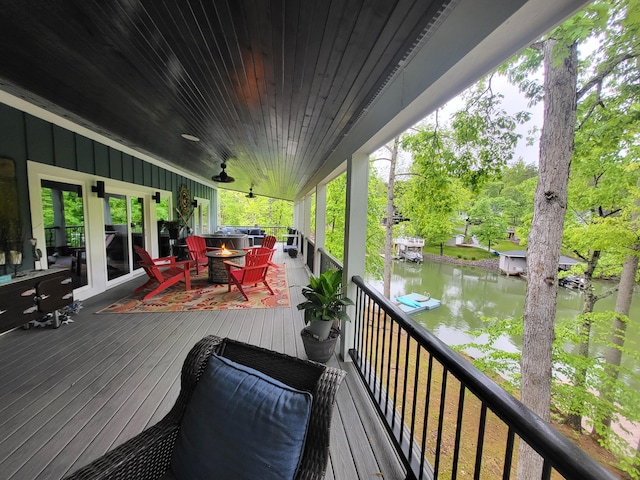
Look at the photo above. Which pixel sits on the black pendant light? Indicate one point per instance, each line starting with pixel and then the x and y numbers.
pixel 222 177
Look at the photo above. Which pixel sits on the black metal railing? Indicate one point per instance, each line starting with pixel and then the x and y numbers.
pixel 74 235
pixel 440 410
pixel 310 256
pixel 327 262
pixel 276 231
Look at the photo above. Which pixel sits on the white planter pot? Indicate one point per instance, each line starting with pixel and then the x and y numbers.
pixel 320 328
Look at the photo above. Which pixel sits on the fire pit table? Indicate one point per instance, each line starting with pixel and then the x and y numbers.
pixel 217 270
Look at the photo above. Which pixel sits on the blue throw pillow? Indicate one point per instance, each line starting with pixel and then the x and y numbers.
pixel 241 424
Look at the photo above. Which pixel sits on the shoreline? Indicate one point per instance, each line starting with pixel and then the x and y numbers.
pixel 490 264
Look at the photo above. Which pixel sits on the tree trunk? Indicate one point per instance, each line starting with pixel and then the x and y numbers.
pixel 613 353
pixel 574 420
pixel 545 238
pixel 386 276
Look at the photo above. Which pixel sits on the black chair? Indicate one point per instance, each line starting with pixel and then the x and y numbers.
pixel 148 455
pixel 292 240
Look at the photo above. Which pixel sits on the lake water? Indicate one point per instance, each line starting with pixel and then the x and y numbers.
pixel 468 293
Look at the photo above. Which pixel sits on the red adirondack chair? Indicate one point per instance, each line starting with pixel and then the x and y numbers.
pixel 164 271
pixel 253 271
pixel 268 242
pixel 197 247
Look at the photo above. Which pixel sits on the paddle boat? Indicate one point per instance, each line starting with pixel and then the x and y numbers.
pixel 415 302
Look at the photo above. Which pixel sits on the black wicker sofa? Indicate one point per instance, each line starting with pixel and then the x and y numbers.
pixel 149 454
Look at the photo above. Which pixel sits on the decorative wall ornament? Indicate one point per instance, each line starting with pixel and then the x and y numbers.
pixel 185 208
pixel 184 201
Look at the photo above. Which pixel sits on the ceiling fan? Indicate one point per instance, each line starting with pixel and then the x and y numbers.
pixel 250 194
pixel 222 177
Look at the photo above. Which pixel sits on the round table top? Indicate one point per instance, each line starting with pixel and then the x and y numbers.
pixel 231 254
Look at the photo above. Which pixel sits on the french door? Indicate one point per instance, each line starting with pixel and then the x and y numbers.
pixel 63 216
pixel 124 227
pixel 91 233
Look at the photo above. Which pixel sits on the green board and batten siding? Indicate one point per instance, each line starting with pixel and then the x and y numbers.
pixel 23 136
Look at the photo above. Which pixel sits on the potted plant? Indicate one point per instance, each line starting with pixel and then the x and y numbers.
pixel 173 228
pixel 323 306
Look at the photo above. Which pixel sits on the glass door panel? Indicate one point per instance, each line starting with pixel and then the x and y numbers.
pixel 64 226
pixel 137 227
pixel 116 234
pixel 204 215
pixel 201 217
pixel 162 215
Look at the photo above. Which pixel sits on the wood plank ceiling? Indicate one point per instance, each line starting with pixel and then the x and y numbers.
pixel 272 86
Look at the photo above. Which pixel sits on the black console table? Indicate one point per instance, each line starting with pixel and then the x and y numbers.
pixel 33 295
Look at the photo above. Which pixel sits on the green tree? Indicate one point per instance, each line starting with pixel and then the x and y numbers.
pixel 451 162
pixel 376 232
pixel 516 184
pixel 617 25
pixel 334 217
pixel 492 216
pixel 237 209
pixel 565 362
pixel 596 226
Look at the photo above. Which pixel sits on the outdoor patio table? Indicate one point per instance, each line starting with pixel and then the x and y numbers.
pixel 217 270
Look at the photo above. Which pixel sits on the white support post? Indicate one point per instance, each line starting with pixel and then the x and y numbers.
pixel 321 224
pixel 296 215
pixel 306 224
pixel 214 212
pixel 355 238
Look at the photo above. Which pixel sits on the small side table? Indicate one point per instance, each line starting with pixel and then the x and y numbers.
pixel 180 251
pixel 217 270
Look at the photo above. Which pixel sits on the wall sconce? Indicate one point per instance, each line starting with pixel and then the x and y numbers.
pixel 194 203
pixel 156 197
pixel 98 188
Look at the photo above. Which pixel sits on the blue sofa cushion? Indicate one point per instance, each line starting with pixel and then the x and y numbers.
pixel 241 424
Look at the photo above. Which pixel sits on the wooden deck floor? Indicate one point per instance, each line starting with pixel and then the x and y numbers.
pixel 69 395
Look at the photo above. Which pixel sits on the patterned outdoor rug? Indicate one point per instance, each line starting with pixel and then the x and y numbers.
pixel 206 296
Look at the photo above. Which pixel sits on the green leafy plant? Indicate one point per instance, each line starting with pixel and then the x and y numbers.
pixel 324 300
pixel 584 399
pixel 171 225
